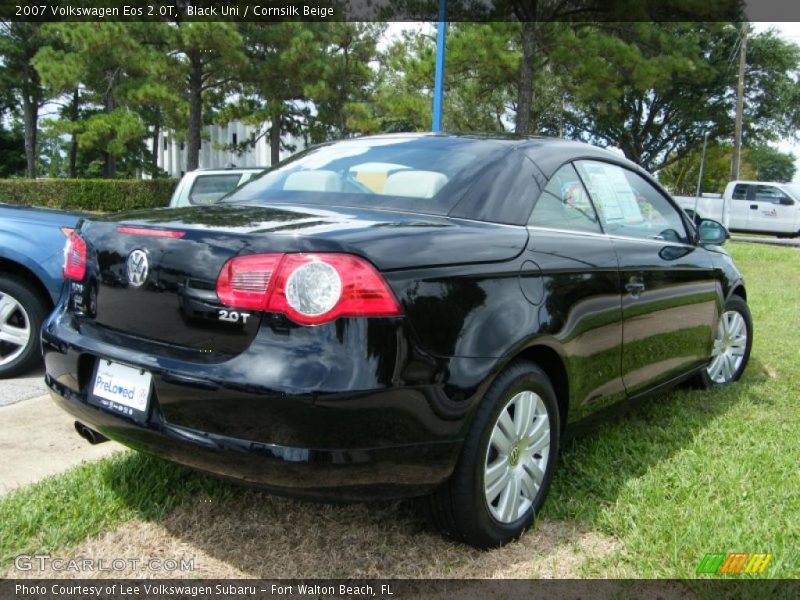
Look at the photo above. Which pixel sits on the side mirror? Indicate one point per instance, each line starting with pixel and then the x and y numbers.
pixel 712 232
pixel 784 201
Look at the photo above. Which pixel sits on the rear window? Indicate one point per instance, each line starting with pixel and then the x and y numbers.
pixel 740 191
pixel 422 174
pixel 208 189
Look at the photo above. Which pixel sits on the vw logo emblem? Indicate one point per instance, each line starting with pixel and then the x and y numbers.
pixel 137 268
pixel 514 456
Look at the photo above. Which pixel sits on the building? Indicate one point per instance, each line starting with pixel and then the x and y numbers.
pixel 172 152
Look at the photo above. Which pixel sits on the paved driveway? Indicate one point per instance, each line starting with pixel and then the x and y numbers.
pixel 29 385
pixel 37 438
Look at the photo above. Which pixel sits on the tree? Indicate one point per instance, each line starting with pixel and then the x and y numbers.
pixel 282 58
pixel 770 164
pixel 404 85
pixel 540 23
pixel 760 163
pixel 212 60
pixel 19 43
pixel 117 71
pixel 483 60
pixel 12 152
pixel 343 86
pixel 654 89
pixel 649 89
pixel 479 80
pixel 772 89
pixel 680 177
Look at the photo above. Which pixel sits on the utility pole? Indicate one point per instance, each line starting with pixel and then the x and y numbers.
pixel 737 134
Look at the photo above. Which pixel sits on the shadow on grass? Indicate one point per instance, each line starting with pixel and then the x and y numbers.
pixel 240 531
pixel 233 531
pixel 628 440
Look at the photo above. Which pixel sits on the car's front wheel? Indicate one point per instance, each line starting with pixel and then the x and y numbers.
pixel 732 343
pixel 22 312
pixel 507 461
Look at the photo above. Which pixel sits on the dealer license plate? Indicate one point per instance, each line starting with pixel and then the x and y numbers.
pixel 121 389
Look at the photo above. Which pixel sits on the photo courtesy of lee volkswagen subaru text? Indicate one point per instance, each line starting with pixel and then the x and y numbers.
pixel 393 316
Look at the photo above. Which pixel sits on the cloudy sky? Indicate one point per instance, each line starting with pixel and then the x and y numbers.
pixel 790 31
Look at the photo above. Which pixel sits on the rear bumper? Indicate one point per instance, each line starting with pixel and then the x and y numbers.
pixel 397 439
pixel 354 474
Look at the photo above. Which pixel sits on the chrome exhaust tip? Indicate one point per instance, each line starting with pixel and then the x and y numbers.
pixel 90 435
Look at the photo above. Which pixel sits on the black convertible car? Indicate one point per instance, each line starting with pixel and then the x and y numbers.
pixel 395 316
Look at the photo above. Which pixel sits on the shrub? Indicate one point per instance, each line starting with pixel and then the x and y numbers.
pixel 88 194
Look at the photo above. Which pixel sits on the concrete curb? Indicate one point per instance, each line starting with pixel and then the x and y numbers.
pixel 787 243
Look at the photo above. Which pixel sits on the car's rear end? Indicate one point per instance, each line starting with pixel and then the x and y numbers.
pixel 174 341
pixel 267 342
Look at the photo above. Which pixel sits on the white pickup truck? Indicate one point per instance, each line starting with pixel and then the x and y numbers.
pixel 750 206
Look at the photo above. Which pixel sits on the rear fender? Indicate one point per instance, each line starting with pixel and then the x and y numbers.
pixel 22 251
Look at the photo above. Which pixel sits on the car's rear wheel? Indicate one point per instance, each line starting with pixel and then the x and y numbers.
pixel 507 461
pixel 732 343
pixel 22 312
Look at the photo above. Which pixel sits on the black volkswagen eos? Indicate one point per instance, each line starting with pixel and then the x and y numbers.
pixel 395 316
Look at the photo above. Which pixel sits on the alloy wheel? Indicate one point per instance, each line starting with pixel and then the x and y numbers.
pixel 730 346
pixel 15 328
pixel 516 459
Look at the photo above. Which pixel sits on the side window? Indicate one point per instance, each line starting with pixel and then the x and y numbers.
pixel 564 204
pixel 769 193
pixel 630 205
pixel 740 191
pixel 207 189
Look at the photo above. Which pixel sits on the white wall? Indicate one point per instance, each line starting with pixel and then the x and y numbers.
pixel 172 158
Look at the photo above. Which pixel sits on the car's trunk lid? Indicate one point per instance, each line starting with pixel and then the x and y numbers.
pixel 175 301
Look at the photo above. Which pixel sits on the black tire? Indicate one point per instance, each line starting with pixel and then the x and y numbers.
pixel 738 304
pixel 36 309
pixel 459 508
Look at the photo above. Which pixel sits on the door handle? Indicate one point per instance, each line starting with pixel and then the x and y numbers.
pixel 634 287
pixel 754 207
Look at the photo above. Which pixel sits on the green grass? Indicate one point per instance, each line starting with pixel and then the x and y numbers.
pixel 62 510
pixel 685 473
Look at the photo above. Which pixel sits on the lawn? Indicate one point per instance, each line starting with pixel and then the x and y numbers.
pixel 648 495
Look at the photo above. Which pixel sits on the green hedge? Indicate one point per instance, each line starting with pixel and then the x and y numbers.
pixel 88 194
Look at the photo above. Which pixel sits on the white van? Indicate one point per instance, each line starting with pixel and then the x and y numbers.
pixel 750 206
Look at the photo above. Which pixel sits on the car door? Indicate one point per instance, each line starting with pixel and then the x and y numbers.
pixel 667 283
pixel 740 209
pixel 571 275
pixel 771 210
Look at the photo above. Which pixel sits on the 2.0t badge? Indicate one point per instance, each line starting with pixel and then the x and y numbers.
pixel 137 268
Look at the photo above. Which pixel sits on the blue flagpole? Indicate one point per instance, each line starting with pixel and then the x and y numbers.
pixel 438 83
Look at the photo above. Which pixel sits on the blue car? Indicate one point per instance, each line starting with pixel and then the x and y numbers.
pixel 31 265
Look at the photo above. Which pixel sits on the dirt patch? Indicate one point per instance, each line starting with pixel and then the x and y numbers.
pixel 38 439
pixel 262 536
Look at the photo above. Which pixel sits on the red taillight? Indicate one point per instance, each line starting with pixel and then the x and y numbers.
pixel 75 258
pixel 245 280
pixel 308 288
pixel 167 233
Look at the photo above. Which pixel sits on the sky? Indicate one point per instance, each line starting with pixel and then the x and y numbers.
pixel 791 32
pixel 788 30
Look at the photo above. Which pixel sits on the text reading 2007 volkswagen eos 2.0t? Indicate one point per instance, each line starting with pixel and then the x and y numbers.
pixel 395 316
